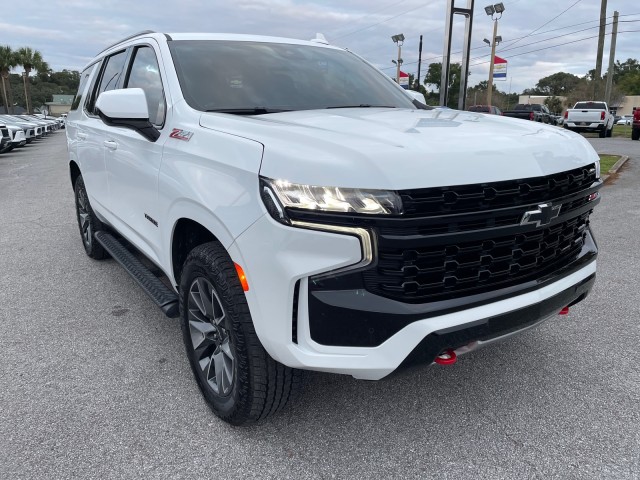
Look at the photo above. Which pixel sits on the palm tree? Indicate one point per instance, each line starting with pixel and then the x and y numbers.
pixel 30 60
pixel 8 60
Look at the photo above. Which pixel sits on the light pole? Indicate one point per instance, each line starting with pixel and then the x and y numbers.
pixel 399 40
pixel 492 10
pixel 398 63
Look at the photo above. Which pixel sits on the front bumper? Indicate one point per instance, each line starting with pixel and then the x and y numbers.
pixel 280 263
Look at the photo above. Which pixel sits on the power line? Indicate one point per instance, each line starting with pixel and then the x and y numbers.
pixel 522 46
pixel 383 21
pixel 380 10
pixel 547 23
pixel 532 43
pixel 555 46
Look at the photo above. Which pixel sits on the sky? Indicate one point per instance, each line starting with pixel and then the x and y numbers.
pixel 540 37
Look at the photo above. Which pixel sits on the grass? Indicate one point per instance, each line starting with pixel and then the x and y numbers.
pixel 607 161
pixel 618 131
pixel 622 131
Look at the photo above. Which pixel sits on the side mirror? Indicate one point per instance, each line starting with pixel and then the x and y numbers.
pixel 127 108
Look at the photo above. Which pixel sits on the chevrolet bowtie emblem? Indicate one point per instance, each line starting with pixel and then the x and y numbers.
pixel 542 216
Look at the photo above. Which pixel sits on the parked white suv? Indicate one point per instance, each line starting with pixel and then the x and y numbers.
pixel 305 214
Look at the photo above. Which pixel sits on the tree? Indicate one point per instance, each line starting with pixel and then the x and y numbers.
pixel 554 104
pixel 558 84
pixel 30 60
pixel 434 77
pixel 8 60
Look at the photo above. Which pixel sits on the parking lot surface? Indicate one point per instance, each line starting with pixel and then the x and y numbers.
pixel 94 382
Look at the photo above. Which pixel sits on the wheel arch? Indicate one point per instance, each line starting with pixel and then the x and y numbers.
pixel 187 235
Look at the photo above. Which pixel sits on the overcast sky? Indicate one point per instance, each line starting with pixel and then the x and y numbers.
pixel 68 33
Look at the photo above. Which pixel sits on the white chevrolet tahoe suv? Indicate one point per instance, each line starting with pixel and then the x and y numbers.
pixel 297 211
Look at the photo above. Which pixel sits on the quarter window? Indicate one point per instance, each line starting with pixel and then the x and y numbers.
pixel 84 78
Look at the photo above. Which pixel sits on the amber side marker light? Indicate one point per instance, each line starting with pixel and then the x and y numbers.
pixel 242 277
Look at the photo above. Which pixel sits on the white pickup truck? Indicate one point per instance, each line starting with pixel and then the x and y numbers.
pixel 589 117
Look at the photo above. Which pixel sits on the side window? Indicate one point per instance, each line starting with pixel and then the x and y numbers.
pixel 84 78
pixel 110 77
pixel 145 74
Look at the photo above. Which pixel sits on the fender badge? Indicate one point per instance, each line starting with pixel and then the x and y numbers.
pixel 180 134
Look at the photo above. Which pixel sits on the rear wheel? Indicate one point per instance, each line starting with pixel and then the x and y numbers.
pixel 635 134
pixel 602 133
pixel 88 222
pixel 240 382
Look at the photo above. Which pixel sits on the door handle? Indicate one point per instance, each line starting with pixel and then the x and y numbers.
pixel 110 144
pixel 82 136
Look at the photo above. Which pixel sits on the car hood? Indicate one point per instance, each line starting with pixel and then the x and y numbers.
pixel 399 149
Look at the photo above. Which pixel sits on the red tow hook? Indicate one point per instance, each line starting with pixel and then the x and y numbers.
pixel 564 311
pixel 448 357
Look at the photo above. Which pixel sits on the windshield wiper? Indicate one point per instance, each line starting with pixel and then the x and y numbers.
pixel 363 105
pixel 248 111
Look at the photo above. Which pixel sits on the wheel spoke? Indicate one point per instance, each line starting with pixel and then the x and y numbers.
pixel 195 296
pixel 84 221
pixel 199 338
pixel 205 289
pixel 218 361
pixel 218 311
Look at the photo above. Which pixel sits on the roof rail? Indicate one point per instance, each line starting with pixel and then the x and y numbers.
pixel 144 32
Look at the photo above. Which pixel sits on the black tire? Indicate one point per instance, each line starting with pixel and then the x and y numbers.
pixel 602 133
pixel 259 386
pixel 610 132
pixel 635 134
pixel 88 223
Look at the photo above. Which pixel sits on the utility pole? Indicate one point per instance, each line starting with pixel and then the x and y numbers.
pixel 419 63
pixel 598 73
pixel 493 59
pixel 612 56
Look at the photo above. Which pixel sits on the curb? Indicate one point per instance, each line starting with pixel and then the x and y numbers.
pixel 616 166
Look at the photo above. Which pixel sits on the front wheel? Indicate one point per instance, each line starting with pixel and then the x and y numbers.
pixel 240 382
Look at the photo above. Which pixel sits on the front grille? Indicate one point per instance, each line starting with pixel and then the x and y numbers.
pixel 451 270
pixel 483 196
pixel 457 241
pixel 5 132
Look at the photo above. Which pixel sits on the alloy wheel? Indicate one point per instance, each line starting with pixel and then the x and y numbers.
pixel 210 336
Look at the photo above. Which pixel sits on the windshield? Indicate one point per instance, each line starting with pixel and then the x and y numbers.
pixel 256 77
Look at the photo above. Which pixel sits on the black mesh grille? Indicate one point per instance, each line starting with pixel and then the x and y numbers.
pixel 451 270
pixel 458 241
pixel 5 132
pixel 483 196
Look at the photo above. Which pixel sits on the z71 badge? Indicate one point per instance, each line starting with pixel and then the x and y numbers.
pixel 180 134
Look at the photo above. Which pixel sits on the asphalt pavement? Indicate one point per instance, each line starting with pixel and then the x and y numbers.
pixel 94 382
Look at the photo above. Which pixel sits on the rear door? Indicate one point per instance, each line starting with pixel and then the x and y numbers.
pixel 90 132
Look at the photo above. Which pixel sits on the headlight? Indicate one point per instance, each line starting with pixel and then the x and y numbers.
pixel 281 193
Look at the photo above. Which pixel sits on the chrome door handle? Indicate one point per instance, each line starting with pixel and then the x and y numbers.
pixel 110 144
pixel 82 136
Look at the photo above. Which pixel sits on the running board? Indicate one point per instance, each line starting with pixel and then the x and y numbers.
pixel 162 295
